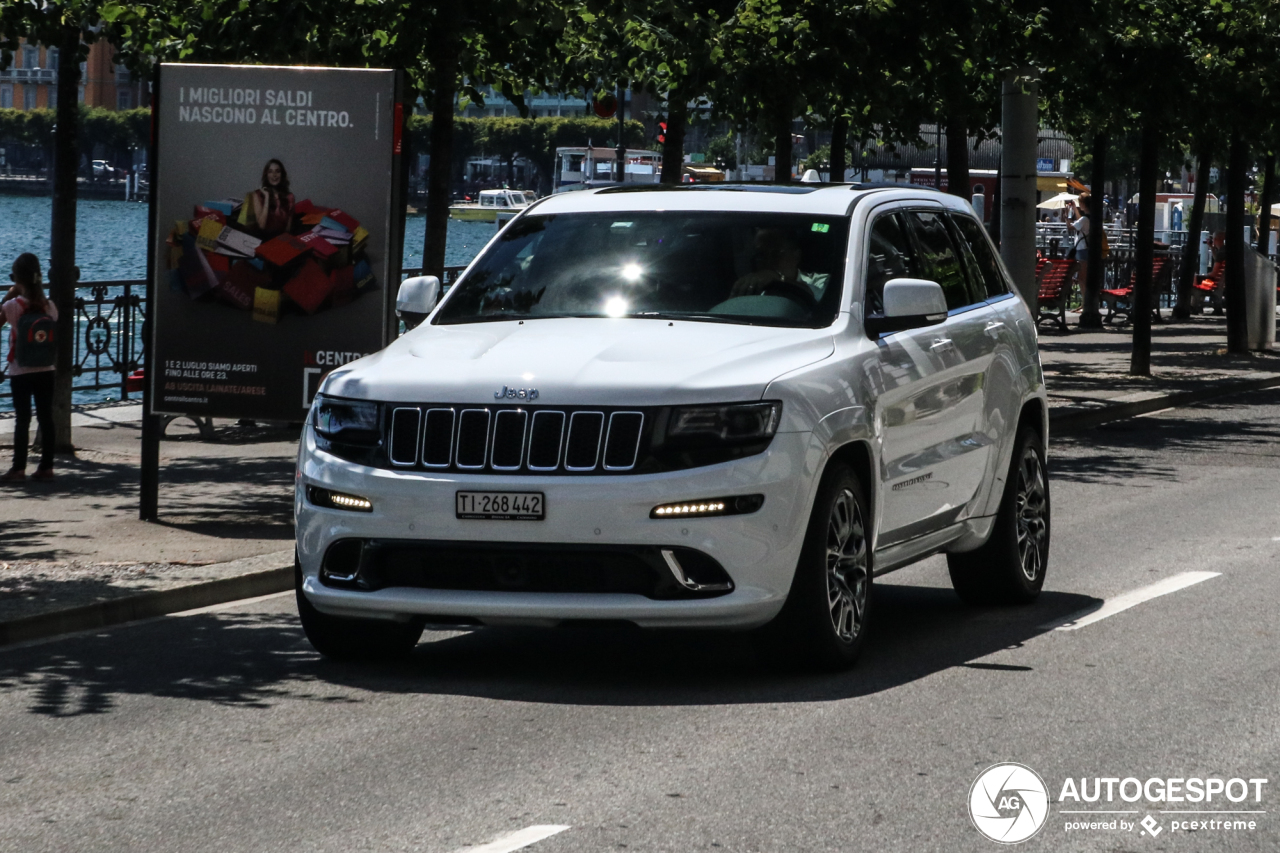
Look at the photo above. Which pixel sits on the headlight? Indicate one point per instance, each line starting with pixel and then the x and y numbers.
pixel 743 423
pixel 351 429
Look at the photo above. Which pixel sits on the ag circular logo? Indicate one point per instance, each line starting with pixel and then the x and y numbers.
pixel 1008 803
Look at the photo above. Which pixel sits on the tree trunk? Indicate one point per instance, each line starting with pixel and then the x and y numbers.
pixel 993 215
pixel 1191 251
pixel 620 153
pixel 958 156
pixel 1237 329
pixel 839 147
pixel 1095 275
pixel 782 143
pixel 673 145
pixel 1264 203
pixel 62 235
pixel 1144 253
pixel 444 62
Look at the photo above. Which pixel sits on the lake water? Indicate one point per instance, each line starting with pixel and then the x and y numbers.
pixel 111 239
pixel 111 236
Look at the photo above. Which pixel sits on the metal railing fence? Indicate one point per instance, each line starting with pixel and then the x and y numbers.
pixel 109 332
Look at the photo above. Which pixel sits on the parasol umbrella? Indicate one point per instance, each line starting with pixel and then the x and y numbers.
pixel 1058 202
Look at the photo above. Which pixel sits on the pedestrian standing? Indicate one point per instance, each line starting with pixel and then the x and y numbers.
pixel 32 354
pixel 1080 228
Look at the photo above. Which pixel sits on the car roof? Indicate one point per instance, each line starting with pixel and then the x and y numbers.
pixel 826 199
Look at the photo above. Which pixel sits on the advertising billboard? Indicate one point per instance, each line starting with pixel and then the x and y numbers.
pixel 276 211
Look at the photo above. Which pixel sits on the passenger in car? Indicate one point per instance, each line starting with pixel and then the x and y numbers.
pixel 777 257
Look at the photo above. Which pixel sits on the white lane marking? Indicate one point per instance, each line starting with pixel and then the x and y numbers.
pixel 1124 601
pixel 227 605
pixel 517 840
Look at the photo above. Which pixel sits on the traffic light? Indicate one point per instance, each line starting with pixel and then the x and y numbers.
pixel 662 130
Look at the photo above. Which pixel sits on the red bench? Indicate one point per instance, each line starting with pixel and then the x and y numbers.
pixel 1053 279
pixel 1209 288
pixel 1119 300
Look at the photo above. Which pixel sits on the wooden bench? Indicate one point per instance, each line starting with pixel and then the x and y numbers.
pixel 1209 288
pixel 1119 300
pixel 1053 279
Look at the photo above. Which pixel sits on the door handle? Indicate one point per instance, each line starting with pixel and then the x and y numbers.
pixel 993 325
pixel 940 343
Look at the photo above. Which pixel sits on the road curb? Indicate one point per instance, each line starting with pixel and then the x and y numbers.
pixel 1077 420
pixel 147 605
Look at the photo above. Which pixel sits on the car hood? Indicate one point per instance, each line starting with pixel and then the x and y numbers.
pixel 582 361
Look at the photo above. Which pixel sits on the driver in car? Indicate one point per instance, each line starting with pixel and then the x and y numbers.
pixel 776 259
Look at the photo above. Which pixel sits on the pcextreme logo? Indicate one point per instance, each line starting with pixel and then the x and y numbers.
pixel 1009 803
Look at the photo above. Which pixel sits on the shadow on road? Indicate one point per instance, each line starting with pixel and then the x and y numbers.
pixel 260 660
pixel 1125 453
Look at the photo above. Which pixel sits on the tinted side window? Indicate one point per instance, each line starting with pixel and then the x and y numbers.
pixel 939 259
pixel 889 256
pixel 983 256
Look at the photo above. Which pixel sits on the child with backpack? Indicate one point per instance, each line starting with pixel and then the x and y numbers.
pixel 32 352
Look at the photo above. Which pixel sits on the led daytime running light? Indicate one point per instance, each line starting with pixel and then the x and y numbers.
pixel 690 509
pixel 338 500
pixel 350 501
pixel 705 507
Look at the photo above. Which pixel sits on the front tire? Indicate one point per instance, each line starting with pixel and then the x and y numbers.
pixel 824 621
pixel 343 638
pixel 1010 568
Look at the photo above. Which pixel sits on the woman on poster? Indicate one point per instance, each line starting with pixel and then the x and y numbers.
pixel 272 202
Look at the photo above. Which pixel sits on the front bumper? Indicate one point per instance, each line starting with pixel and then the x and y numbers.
pixel 759 551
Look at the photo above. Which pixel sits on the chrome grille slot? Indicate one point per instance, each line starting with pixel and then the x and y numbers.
pixel 622 443
pixel 437 438
pixel 583 448
pixel 508 439
pixel 473 438
pixel 545 440
pixel 516 438
pixel 405 426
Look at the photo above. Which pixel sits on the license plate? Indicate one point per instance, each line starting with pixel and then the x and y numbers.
pixel 502 506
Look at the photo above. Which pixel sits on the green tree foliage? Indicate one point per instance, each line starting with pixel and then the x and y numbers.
pixel 115 130
pixel 534 139
pixel 671 48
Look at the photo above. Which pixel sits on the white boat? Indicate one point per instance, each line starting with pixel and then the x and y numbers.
pixel 489 205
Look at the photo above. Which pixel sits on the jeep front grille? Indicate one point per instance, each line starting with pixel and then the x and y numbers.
pixel 516 439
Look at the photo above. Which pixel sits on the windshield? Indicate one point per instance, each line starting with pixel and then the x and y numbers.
pixel 758 268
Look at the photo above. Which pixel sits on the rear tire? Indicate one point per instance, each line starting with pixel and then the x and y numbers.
pixel 344 638
pixel 824 621
pixel 1010 568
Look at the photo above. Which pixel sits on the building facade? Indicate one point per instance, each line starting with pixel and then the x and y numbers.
pixel 31 80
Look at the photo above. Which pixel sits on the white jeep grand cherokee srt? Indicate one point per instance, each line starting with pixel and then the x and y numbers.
pixel 708 406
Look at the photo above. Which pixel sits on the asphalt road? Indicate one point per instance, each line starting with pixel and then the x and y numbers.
pixel 224 731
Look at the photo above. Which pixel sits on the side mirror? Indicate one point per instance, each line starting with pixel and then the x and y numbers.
pixel 909 303
pixel 416 298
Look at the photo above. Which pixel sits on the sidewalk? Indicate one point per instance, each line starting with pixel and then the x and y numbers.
pixel 73 554
pixel 1087 373
pixel 74 547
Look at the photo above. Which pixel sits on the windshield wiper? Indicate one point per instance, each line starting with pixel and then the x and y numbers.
pixel 671 315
